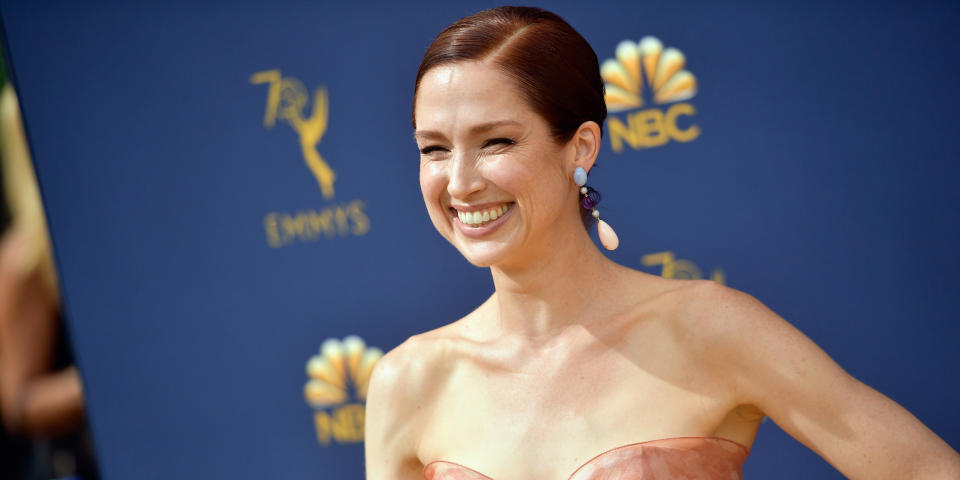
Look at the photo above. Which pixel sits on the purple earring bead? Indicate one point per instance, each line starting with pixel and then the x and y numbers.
pixel 588 202
pixel 591 199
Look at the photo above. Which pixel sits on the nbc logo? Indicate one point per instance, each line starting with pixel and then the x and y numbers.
pixel 647 63
pixel 337 388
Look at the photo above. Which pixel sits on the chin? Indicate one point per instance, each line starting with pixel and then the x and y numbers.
pixel 482 255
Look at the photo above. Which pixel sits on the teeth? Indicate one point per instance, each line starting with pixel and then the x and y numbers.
pixel 475 219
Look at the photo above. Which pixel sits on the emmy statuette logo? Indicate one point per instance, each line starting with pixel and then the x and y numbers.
pixel 289 102
pixel 286 100
pixel 672 267
pixel 643 73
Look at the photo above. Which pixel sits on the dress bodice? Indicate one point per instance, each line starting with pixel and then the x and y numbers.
pixel 678 458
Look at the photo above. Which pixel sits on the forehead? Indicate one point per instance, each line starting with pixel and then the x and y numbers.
pixel 457 96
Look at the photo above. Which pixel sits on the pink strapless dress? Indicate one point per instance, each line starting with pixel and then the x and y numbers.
pixel 679 458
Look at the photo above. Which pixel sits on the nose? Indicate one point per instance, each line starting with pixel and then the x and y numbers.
pixel 465 177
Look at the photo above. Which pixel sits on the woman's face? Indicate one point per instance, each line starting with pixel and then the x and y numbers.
pixel 495 183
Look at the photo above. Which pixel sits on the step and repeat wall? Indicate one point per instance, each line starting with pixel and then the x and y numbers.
pixel 233 197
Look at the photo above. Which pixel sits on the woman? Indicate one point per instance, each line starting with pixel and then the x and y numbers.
pixel 577 367
pixel 41 394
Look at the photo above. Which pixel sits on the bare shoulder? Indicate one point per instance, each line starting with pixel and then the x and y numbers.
pixel 401 392
pixel 714 315
pixel 404 372
pixel 771 364
pixel 409 374
pixel 708 297
pixel 729 332
pixel 390 415
pixel 397 370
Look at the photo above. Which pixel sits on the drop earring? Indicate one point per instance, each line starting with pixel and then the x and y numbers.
pixel 590 200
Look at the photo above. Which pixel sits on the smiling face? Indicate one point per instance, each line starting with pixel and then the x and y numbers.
pixel 495 183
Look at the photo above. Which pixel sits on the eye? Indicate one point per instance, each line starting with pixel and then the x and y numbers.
pixel 431 148
pixel 505 141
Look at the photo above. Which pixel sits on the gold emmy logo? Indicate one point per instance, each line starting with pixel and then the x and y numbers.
pixel 662 71
pixel 339 376
pixel 286 100
pixel 673 267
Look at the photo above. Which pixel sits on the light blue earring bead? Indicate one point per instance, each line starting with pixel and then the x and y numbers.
pixel 580 176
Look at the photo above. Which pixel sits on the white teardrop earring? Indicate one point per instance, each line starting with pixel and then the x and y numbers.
pixel 590 200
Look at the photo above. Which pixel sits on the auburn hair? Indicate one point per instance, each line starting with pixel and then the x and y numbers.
pixel 554 67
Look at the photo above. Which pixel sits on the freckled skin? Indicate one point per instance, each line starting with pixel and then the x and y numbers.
pixel 664 459
pixel 533 172
pixel 574 354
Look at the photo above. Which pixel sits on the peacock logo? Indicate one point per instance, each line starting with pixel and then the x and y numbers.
pixel 661 69
pixel 337 388
pixel 645 73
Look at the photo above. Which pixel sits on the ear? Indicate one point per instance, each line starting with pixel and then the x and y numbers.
pixel 585 145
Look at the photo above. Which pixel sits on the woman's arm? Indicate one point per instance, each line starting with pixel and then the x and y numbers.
pixel 391 407
pixel 775 367
pixel 33 399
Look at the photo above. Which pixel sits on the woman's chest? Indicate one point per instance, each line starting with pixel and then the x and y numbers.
pixel 703 458
pixel 545 424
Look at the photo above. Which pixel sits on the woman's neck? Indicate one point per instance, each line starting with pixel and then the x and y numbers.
pixel 566 283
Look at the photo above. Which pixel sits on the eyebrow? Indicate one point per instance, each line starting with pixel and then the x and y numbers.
pixel 483 127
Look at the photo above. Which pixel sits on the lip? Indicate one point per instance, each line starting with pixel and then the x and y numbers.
pixel 478 207
pixel 487 228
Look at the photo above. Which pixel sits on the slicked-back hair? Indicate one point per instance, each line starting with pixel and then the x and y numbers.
pixel 555 69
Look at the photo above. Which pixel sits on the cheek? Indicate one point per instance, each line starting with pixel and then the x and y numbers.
pixel 433 181
pixel 510 174
pixel 532 181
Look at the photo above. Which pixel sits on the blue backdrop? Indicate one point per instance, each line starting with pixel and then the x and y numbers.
pixel 231 185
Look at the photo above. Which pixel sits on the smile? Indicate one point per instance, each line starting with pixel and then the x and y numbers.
pixel 479 218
